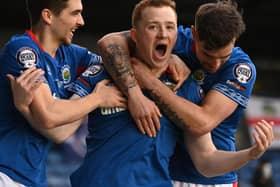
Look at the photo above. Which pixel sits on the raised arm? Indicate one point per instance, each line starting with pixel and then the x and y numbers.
pixel 212 162
pixel 115 50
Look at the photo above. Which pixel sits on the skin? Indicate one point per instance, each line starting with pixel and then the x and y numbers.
pixel 25 88
pixel 200 119
pixel 211 60
pixel 117 62
pixel 197 119
pixel 156 33
pixel 59 29
pixel 44 113
pixel 208 160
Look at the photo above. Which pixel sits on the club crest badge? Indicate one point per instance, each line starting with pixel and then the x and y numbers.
pixel 27 57
pixel 199 76
pixel 66 74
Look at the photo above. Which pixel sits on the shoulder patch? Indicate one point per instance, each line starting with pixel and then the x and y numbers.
pixel 93 71
pixel 27 57
pixel 243 72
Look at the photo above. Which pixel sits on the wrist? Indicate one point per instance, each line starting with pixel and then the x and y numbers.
pixel 95 99
pixel 23 109
pixel 134 91
pixel 252 154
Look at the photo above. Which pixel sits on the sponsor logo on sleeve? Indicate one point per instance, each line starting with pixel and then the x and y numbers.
pixel 243 72
pixel 27 57
pixel 236 85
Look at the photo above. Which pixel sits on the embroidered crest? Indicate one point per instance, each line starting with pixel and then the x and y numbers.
pixel 243 72
pixel 92 71
pixel 27 57
pixel 66 74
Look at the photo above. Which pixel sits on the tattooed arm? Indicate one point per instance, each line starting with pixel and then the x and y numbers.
pixel 116 56
pixel 114 49
pixel 197 119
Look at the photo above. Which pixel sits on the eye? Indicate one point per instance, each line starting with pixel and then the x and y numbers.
pixel 152 27
pixel 170 27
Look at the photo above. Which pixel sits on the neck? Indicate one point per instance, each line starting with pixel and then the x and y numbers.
pixel 156 71
pixel 46 40
pixel 159 71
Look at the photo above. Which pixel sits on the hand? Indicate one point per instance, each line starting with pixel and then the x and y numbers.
pixel 109 95
pixel 144 111
pixel 263 137
pixel 179 71
pixel 24 86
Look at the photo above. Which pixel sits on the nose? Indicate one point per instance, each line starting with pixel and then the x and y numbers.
pixel 215 64
pixel 162 32
pixel 81 21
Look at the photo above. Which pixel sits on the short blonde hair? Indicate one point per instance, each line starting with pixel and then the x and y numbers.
pixel 139 7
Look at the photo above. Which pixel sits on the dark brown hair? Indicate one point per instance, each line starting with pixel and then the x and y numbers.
pixel 35 7
pixel 217 24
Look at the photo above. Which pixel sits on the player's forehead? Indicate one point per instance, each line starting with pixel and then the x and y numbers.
pixel 163 14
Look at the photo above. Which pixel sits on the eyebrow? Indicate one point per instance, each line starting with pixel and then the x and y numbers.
pixel 157 22
pixel 226 56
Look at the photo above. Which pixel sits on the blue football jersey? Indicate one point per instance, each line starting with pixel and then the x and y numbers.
pixel 24 151
pixel 117 153
pixel 235 79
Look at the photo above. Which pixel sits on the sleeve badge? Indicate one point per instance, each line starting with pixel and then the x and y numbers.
pixel 27 57
pixel 243 72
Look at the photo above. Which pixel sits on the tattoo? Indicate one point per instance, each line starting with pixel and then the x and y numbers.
pixel 167 111
pixel 118 65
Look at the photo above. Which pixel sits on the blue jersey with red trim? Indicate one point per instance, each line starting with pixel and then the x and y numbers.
pixel 235 79
pixel 23 150
pixel 117 153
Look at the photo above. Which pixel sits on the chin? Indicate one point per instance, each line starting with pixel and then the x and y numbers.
pixel 212 70
pixel 66 42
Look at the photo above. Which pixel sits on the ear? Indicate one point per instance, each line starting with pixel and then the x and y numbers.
pixel 193 31
pixel 46 15
pixel 133 35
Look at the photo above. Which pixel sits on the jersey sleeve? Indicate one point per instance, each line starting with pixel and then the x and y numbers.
pixel 184 40
pixel 84 56
pixel 237 81
pixel 87 81
pixel 19 55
